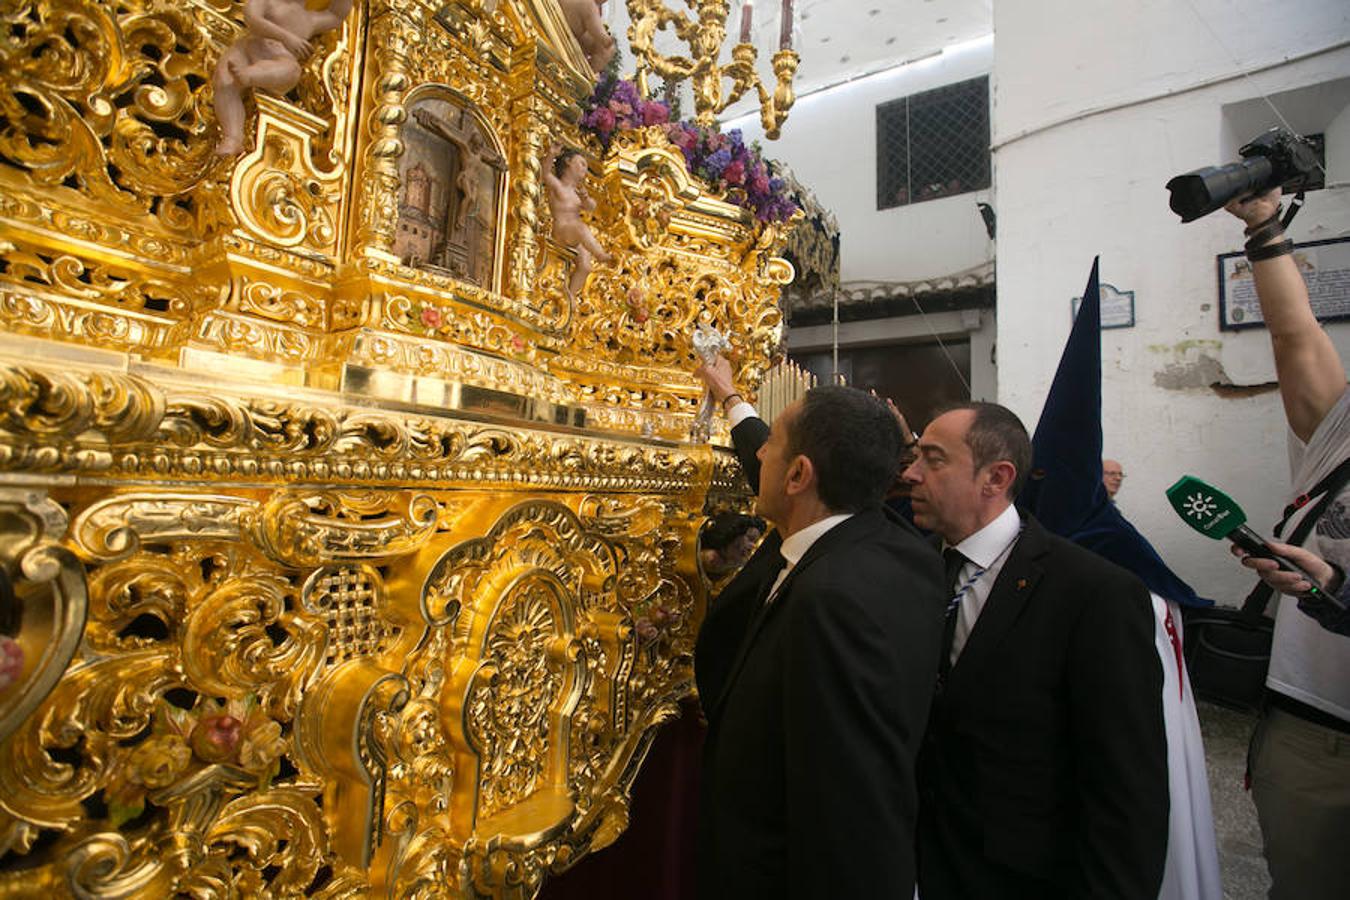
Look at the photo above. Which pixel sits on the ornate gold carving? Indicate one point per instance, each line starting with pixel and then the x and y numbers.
pixel 106 101
pixel 344 585
pixel 704 36
pixel 281 196
pixel 421 356
pixel 304 529
pixel 115 528
pixel 280 303
pixel 510 704
pixel 43 604
pixel 186 435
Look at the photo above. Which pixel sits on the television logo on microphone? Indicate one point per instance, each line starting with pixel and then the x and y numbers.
pixel 1202 506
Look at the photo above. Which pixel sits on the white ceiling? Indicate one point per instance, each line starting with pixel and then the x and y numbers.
pixel 837 39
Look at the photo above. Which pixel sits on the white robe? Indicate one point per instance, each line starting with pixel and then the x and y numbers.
pixel 1192 870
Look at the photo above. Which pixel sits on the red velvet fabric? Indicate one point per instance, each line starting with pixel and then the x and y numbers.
pixel 654 858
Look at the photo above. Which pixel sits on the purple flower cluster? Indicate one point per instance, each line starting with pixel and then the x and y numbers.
pixel 724 161
pixel 616 106
pixel 728 164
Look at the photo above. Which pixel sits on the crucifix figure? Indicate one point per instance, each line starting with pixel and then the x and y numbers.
pixel 474 159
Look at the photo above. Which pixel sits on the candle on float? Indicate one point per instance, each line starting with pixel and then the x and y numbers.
pixel 747 13
pixel 785 36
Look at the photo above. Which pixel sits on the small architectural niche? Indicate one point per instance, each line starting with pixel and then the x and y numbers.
pixel 451 179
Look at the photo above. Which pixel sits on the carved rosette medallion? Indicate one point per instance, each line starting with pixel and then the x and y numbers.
pixel 511 710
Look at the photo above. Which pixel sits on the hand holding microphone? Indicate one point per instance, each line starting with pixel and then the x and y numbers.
pixel 1285 581
pixel 1286 568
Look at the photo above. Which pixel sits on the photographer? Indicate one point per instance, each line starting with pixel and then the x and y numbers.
pixel 1299 762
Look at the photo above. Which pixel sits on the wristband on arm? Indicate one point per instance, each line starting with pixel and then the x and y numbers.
pixel 1270 251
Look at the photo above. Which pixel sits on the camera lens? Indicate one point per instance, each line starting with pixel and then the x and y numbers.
pixel 1199 193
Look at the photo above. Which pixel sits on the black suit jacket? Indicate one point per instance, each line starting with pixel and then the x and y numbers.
pixel 816 706
pixel 1044 770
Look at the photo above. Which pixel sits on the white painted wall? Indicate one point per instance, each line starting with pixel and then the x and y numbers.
pixel 1068 187
pixel 830 143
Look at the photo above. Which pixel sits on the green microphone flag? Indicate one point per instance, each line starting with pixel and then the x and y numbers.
pixel 1216 515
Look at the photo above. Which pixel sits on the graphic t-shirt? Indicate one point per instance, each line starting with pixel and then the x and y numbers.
pixel 1307 662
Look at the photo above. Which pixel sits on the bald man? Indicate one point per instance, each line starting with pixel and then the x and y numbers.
pixel 1112 476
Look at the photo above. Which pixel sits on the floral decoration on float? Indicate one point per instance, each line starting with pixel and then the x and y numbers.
pixel 723 160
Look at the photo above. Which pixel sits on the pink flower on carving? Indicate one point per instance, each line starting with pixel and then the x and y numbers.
pixel 604 120
pixel 654 113
pixel 734 173
pixel 636 308
pixel 215 737
pixel 11 661
pixel 431 317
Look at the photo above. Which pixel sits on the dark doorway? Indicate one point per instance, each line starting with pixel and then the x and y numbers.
pixel 920 378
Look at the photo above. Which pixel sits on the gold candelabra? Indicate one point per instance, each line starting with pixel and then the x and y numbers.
pixel 704 36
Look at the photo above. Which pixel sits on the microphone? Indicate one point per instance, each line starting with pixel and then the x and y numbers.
pixel 1216 515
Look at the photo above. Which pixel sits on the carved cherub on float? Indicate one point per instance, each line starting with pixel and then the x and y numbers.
pixel 268 55
pixel 583 17
pixel 564 176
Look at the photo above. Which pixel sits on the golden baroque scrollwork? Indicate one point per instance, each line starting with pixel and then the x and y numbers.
pixel 108 100
pixel 283 634
pixel 43 604
pixel 283 198
pixel 158 433
pixel 705 262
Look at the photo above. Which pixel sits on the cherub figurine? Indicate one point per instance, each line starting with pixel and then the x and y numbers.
pixel 583 17
pixel 267 56
pixel 564 172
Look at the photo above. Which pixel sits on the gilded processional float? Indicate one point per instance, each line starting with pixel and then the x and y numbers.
pixel 349 538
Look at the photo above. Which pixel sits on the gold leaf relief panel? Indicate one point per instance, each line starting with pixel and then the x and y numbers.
pixel 511 719
pixel 107 100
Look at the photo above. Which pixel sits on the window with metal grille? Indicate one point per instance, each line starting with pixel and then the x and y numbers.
pixel 933 144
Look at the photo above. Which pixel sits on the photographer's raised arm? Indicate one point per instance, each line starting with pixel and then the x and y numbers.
pixel 1307 365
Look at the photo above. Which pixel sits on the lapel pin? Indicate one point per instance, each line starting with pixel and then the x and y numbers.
pixel 1021 584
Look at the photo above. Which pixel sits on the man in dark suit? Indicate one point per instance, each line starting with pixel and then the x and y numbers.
pixel 1044 769
pixel 816 666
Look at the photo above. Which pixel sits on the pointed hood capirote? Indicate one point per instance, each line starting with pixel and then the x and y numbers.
pixel 1065 491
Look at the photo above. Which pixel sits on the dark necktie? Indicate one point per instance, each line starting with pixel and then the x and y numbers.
pixel 774 568
pixel 952 560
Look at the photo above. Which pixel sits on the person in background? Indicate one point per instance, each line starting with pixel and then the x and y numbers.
pixel 1113 476
pixel 1299 762
pixel 727 542
pixel 1069 496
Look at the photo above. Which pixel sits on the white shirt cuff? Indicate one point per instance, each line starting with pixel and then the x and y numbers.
pixel 740 412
